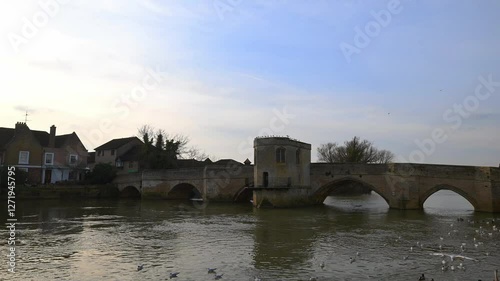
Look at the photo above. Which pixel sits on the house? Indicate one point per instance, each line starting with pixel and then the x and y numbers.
pixel 46 158
pixel 124 153
pixel 91 161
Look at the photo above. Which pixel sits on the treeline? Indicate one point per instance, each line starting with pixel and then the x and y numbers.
pixel 353 151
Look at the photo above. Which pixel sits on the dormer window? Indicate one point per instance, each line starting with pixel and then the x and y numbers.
pixel 280 155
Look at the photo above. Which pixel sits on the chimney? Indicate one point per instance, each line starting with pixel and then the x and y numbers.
pixel 21 126
pixel 52 137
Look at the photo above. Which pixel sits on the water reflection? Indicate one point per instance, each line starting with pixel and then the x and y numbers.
pixel 106 240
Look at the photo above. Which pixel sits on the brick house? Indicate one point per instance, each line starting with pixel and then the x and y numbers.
pixel 123 153
pixel 46 158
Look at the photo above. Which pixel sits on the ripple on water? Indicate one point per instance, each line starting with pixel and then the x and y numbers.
pixel 109 243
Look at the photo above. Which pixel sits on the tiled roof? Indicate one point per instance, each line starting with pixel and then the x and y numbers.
pixel 189 163
pixel 116 143
pixel 42 137
pixel 227 161
pixel 5 135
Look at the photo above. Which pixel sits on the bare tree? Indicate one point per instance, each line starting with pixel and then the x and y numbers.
pixel 194 152
pixel 327 152
pixel 353 151
pixel 385 156
pixel 161 150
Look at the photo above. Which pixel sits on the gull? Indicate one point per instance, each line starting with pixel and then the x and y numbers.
pixel 453 257
pixel 218 276
pixel 351 260
pixel 411 249
pixel 422 277
pixel 257 279
pixel 211 270
pixel 460 257
pixel 174 274
pixel 313 279
pixel 322 265
pixel 140 267
pixel 357 254
pixel 405 257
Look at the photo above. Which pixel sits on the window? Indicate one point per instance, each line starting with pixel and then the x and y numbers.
pixel 297 156
pixel 73 158
pixel 280 155
pixel 130 164
pixel 49 158
pixel 24 157
pixel 112 152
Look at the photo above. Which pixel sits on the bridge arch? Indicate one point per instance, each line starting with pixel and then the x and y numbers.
pixel 455 189
pixel 130 191
pixel 183 191
pixel 326 189
pixel 244 194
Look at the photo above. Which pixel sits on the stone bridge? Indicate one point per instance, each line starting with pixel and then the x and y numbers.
pixel 403 186
pixel 212 182
pixel 407 186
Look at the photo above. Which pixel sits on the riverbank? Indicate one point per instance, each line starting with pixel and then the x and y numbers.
pixel 64 192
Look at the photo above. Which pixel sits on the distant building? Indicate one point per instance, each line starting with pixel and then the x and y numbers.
pixel 123 153
pixel 46 158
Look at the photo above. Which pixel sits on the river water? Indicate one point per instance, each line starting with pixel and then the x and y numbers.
pixel 108 239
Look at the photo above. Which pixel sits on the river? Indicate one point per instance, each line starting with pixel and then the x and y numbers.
pixel 108 239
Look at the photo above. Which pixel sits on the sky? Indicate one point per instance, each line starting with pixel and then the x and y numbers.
pixel 418 78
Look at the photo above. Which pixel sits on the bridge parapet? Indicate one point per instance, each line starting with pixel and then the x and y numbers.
pixel 171 174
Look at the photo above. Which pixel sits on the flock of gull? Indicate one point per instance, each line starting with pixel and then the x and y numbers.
pixel 209 270
pixel 449 261
pixel 454 261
